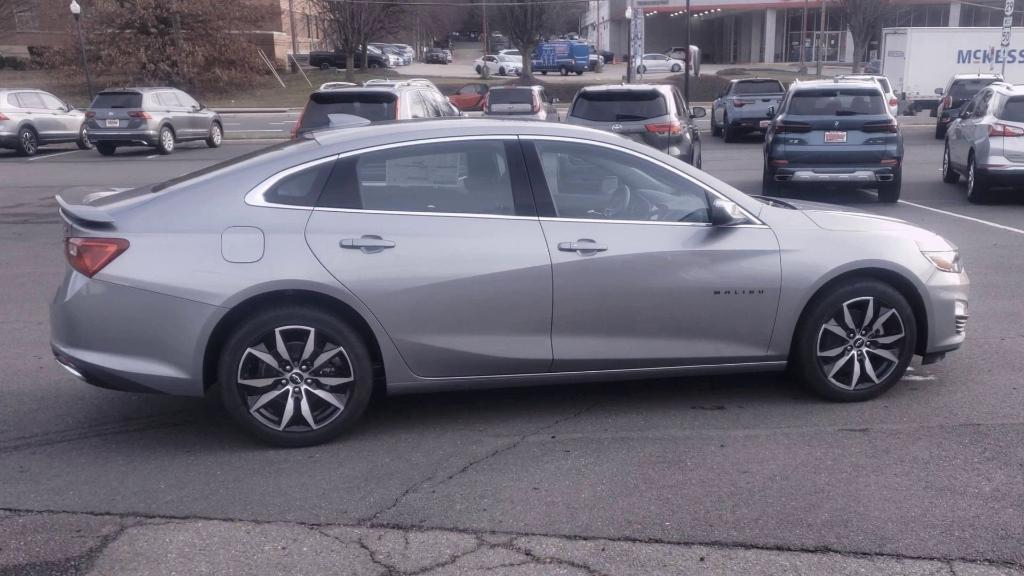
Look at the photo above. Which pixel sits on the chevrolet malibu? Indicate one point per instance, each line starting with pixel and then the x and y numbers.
pixel 443 254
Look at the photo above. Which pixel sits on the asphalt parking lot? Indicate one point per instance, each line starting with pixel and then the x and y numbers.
pixel 708 475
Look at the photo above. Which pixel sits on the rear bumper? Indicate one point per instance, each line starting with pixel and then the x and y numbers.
pixel 1003 175
pixel 851 175
pixel 125 137
pixel 8 140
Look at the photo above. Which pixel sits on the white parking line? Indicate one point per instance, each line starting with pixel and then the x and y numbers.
pixel 153 156
pixel 971 218
pixel 282 123
pixel 278 130
pixel 34 158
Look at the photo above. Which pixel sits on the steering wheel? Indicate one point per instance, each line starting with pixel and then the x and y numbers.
pixel 619 201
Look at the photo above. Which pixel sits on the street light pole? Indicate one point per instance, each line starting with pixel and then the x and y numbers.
pixel 76 11
pixel 689 57
pixel 629 44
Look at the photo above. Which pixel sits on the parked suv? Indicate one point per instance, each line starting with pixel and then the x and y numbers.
pixel 158 117
pixel 33 118
pixel 959 90
pixel 743 106
pixel 654 114
pixel 834 132
pixel 376 101
pixel 520 102
pixel 985 143
pixel 890 97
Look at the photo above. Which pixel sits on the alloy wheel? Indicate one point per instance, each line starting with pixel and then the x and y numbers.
pixel 28 142
pixel 216 135
pixel 167 140
pixel 970 177
pixel 295 378
pixel 861 344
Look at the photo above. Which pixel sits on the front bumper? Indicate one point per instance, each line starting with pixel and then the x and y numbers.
pixel 125 338
pixel 948 303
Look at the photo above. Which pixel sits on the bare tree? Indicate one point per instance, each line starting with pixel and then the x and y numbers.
pixel 865 19
pixel 354 24
pixel 523 22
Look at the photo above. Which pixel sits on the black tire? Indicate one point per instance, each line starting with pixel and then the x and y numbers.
pixel 106 148
pixel 716 130
pixel 977 187
pixel 889 192
pixel 769 185
pixel 696 158
pixel 728 132
pixel 501 71
pixel 579 72
pixel 543 72
pixel 949 175
pixel 940 131
pixel 479 70
pixel 676 68
pixel 331 332
pixel 325 66
pixel 28 141
pixel 373 65
pixel 165 140
pixel 563 71
pixel 83 139
pixel 216 135
pixel 641 69
pixel 813 338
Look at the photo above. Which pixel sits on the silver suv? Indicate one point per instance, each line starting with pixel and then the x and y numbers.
pixel 158 117
pixel 985 143
pixel 33 118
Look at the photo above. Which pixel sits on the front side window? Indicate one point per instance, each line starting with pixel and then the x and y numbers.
pixel 593 182
pixel 462 177
pixel 51 102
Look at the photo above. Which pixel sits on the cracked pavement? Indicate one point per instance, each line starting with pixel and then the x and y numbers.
pixel 737 475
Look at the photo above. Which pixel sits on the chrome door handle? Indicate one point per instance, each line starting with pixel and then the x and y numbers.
pixel 583 246
pixel 368 243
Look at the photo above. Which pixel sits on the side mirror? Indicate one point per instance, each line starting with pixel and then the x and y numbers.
pixel 698 112
pixel 938 91
pixel 726 213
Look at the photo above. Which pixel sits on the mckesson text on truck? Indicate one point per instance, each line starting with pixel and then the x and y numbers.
pixel 989 56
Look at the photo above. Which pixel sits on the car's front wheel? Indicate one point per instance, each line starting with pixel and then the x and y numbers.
pixel 295 376
pixel 855 342
pixel 977 187
pixel 676 68
pixel 949 175
pixel 216 135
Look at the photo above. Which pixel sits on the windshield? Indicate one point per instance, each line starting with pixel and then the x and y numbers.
pixel 1013 110
pixel 374 106
pixel 117 100
pixel 966 89
pixel 836 102
pixel 758 87
pixel 619 105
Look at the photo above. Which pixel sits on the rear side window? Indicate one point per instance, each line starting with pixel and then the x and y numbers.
pixel 885 85
pixel 117 100
pixel 619 105
pixel 167 99
pixel 1013 110
pixel 373 106
pixel 836 102
pixel 301 188
pixel 758 87
pixel 966 89
pixel 31 100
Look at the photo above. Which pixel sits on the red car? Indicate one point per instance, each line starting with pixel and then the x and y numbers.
pixel 470 97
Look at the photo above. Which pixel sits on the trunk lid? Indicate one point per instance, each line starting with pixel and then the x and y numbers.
pixel 116 110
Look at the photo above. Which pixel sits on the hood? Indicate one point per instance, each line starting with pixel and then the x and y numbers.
pixel 843 219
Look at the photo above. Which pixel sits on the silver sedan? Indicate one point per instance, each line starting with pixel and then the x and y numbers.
pixel 472 252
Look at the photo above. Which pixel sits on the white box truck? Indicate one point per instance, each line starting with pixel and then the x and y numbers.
pixel 918 61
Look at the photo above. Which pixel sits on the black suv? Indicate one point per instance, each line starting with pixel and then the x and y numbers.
pixel 654 114
pixel 337 59
pixel 376 100
pixel 834 133
pixel 959 90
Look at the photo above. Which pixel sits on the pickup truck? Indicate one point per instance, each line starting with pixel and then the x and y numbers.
pixel 745 105
pixel 336 59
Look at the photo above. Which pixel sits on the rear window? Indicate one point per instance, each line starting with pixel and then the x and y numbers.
pixel 373 106
pixel 1013 110
pixel 758 87
pixel 619 105
pixel 511 97
pixel 966 89
pixel 884 83
pixel 836 102
pixel 117 100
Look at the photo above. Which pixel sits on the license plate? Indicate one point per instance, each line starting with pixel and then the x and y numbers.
pixel 835 137
pixel 113 123
pixel 764 123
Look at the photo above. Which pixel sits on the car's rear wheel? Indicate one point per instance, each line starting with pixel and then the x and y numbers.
pixel 676 68
pixel 216 135
pixel 728 132
pixel 165 140
pixel 769 185
pixel 889 192
pixel 977 187
pixel 501 71
pixel 949 175
pixel 563 71
pixel 295 376
pixel 940 131
pixel 325 66
pixel 641 69
pixel 28 141
pixel 83 139
pixel 695 155
pixel 716 130
pixel 855 342
pixel 106 148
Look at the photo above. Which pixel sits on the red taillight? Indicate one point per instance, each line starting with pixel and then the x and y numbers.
pixel 139 114
pixel 741 103
pixel 780 162
pixel 889 162
pixel 1005 130
pixel 664 128
pixel 536 104
pixel 946 101
pixel 90 114
pixel 884 126
pixel 782 127
pixel 2 117
pixel 893 102
pixel 89 255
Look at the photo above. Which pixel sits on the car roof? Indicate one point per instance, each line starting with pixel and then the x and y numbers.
pixel 754 79
pixel 609 87
pixel 139 89
pixel 534 88
pixel 818 84
pixel 975 75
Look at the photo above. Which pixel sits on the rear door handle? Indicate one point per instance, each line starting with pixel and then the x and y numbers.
pixel 368 243
pixel 583 246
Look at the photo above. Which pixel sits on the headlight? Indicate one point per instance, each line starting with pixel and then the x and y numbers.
pixel 946 260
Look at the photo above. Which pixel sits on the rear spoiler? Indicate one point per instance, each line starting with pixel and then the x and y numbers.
pixel 84 213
